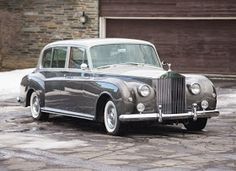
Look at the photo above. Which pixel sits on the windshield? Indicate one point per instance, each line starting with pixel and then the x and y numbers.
pixel 105 55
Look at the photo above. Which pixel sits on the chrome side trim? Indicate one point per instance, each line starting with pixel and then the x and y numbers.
pixel 157 116
pixel 67 113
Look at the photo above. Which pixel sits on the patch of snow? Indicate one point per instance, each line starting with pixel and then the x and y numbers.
pixel 10 82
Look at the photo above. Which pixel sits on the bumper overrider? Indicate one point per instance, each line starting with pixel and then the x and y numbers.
pixel 194 114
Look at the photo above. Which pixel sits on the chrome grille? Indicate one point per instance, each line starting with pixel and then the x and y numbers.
pixel 171 94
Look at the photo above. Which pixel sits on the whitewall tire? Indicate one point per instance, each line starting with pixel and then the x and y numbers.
pixel 111 119
pixel 35 108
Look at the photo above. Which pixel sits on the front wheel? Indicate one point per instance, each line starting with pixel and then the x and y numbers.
pixel 35 108
pixel 197 125
pixel 111 120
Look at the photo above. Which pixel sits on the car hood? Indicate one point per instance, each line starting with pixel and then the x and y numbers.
pixel 143 72
pixel 134 71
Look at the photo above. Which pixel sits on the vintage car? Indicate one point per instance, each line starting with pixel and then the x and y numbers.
pixel 114 81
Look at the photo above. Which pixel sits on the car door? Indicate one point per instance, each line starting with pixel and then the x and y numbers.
pixel 55 77
pixel 77 80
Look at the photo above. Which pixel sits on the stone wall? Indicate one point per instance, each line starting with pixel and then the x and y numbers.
pixel 28 25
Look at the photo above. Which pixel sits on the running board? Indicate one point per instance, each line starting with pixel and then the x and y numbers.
pixel 67 113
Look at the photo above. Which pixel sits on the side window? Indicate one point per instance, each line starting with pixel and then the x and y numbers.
pixel 77 57
pixel 47 57
pixel 59 57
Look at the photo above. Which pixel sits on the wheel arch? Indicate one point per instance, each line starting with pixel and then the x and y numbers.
pixel 30 83
pixel 35 87
pixel 100 104
pixel 28 95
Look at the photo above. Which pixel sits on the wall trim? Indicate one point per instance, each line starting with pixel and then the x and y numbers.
pixel 172 18
pixel 102 20
pixel 102 27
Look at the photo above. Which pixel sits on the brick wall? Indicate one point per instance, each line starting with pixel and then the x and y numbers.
pixel 28 25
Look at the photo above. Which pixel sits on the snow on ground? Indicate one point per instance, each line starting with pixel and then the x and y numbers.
pixel 10 82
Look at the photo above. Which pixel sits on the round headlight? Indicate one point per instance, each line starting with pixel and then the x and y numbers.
pixel 144 90
pixel 195 88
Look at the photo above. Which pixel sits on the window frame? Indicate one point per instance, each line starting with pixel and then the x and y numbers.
pixel 43 53
pixel 82 49
pixel 86 50
pixel 152 46
pixel 54 47
pixel 59 47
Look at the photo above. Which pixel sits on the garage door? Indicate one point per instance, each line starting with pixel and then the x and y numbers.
pixel 201 46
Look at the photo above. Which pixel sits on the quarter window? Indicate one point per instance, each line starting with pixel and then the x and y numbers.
pixel 77 57
pixel 59 57
pixel 47 57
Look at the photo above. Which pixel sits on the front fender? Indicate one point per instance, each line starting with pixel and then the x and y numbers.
pixel 119 92
pixel 148 101
pixel 208 91
pixel 126 96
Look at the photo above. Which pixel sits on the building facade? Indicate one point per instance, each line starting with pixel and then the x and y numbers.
pixel 195 36
pixel 28 25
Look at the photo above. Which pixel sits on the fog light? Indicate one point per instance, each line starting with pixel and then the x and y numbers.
pixel 140 107
pixel 130 99
pixel 204 104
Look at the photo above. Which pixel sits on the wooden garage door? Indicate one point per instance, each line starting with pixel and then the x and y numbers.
pixel 201 46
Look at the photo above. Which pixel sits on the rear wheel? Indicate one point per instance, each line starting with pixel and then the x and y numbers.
pixel 111 120
pixel 197 125
pixel 35 108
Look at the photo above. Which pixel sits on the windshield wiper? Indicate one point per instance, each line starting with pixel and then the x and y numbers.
pixel 126 63
pixel 104 66
pixel 131 63
pixel 138 64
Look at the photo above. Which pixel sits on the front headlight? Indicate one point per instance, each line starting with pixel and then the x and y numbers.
pixel 144 90
pixel 195 88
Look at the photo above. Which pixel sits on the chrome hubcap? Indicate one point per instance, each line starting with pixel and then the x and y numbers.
pixel 111 117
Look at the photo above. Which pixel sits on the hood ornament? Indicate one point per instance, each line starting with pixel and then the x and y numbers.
pixel 169 66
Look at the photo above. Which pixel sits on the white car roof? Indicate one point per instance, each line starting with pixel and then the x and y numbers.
pixel 97 41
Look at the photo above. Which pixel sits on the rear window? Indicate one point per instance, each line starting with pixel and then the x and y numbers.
pixel 59 57
pixel 47 57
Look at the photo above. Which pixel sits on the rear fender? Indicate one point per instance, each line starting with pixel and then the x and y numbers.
pixel 32 84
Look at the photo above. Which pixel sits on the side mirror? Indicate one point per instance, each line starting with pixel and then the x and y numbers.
pixel 164 63
pixel 83 66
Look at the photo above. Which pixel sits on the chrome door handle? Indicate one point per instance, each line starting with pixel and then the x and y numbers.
pixel 67 76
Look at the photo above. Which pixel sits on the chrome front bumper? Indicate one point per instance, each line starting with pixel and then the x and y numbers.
pixel 160 116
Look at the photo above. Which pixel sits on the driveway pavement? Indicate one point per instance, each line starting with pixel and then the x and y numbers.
pixel 64 143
